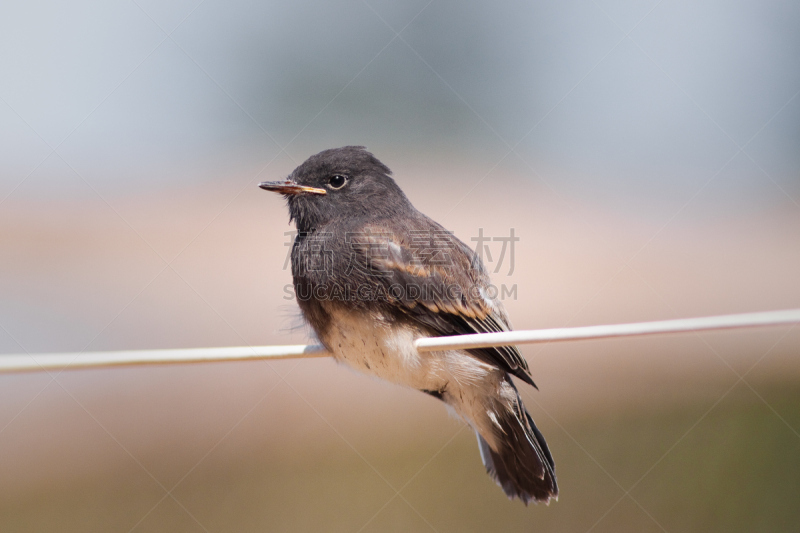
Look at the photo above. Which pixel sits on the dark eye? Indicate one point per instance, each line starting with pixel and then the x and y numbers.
pixel 337 181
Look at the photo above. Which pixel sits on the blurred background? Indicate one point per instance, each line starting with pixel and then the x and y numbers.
pixel 646 154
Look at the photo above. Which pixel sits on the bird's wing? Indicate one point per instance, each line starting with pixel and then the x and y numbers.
pixel 437 280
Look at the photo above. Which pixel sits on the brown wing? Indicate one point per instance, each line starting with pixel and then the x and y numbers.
pixel 435 279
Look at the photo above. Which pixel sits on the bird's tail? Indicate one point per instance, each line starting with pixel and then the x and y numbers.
pixel 513 450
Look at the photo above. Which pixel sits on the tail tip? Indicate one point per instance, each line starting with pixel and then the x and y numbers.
pixel 537 489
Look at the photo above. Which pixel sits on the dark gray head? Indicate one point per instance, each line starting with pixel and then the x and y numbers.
pixel 340 182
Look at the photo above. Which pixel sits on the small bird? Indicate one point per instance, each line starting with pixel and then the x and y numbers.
pixel 372 274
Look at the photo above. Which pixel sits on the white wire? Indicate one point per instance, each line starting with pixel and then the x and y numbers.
pixel 57 361
pixel 506 338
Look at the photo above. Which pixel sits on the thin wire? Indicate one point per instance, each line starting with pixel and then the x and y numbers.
pixel 48 361
pixel 681 325
pixel 51 361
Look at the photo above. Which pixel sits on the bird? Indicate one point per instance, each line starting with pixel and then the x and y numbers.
pixel 372 274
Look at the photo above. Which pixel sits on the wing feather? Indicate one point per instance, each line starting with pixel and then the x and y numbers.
pixel 443 287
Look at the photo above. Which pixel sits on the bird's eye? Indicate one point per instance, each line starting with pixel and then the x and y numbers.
pixel 337 181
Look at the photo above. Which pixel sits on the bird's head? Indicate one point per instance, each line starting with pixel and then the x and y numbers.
pixel 340 182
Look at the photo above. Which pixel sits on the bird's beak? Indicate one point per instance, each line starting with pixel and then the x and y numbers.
pixel 290 187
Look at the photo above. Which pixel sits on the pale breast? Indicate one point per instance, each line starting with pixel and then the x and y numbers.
pixel 384 348
pixel 376 346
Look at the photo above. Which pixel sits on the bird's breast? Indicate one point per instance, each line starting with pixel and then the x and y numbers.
pixel 377 345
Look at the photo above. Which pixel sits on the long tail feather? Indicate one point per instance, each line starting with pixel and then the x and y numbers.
pixel 518 460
